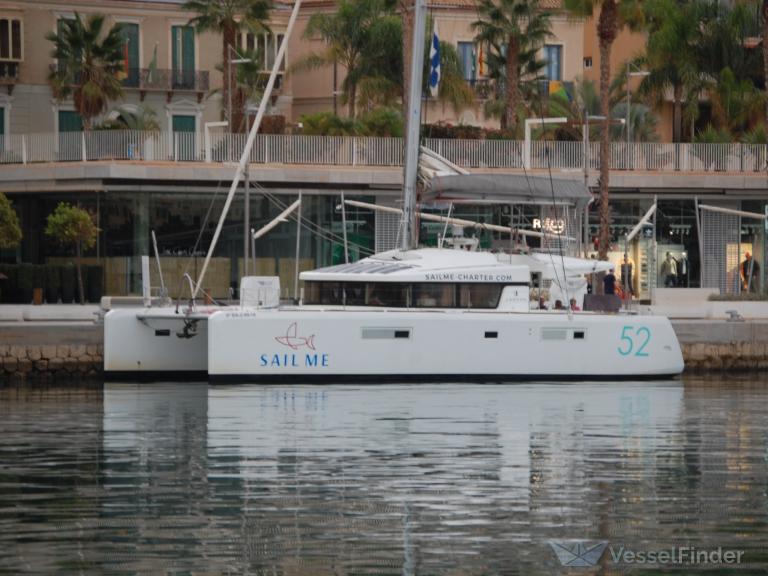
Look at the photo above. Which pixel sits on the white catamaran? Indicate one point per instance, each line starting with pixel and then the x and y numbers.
pixel 420 314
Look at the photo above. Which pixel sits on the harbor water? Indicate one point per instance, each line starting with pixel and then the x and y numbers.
pixel 126 478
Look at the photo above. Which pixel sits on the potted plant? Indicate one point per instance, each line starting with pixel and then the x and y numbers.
pixel 38 284
pixel 25 283
pixel 52 283
pixel 94 281
pixel 73 227
pixel 68 284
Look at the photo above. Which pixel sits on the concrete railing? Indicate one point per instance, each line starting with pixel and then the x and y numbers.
pixel 108 145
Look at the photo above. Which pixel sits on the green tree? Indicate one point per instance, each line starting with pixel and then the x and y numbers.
pixel 509 28
pixel 88 65
pixel 229 17
pixel 10 231
pixel 736 103
pixel 143 119
pixel 347 33
pixel 613 16
pixel 72 226
pixel 764 34
pixel 672 57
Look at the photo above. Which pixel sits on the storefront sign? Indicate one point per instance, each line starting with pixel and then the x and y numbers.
pixel 551 225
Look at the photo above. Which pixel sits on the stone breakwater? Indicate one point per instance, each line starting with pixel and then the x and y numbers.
pixel 60 351
pixel 64 361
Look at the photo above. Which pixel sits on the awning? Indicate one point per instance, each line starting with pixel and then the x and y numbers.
pixel 506 189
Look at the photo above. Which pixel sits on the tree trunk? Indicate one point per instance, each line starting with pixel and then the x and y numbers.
pixel 234 111
pixel 765 53
pixel 406 11
pixel 677 113
pixel 607 29
pixel 512 89
pixel 78 254
pixel 351 103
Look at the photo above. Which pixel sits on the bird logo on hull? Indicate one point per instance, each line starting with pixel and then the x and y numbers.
pixel 295 342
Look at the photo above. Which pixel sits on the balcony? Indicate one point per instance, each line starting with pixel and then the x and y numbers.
pixel 164 80
pixel 169 81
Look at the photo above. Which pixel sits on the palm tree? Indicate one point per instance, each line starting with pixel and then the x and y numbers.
pixel 736 103
pixel 350 34
pixel 513 26
pixel 672 60
pixel 453 89
pixel 529 82
pixel 614 15
pixel 764 30
pixel 144 119
pixel 229 17
pixel 88 66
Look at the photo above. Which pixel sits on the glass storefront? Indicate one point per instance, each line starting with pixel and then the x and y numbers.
pixel 184 225
pixel 668 255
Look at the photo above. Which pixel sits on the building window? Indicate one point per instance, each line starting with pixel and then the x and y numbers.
pixel 467 60
pixel 588 62
pixel 130 74
pixel 10 39
pixel 553 56
pixel 183 57
pixel 266 47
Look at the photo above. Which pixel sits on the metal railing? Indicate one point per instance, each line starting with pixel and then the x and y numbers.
pixel 137 146
pixel 162 79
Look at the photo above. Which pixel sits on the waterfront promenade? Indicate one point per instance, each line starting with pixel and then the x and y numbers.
pixel 66 341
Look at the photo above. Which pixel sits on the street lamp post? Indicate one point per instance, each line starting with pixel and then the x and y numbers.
pixel 630 74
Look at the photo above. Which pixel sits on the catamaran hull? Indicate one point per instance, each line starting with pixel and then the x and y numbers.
pixel 154 343
pixel 319 345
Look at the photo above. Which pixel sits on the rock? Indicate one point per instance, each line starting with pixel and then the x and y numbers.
pixel 92 349
pixel 10 363
pixel 70 364
pixel 41 365
pixel 19 351
pixel 55 364
pixel 4 350
pixel 33 353
pixel 25 365
pixel 48 352
pixel 62 351
pixel 77 350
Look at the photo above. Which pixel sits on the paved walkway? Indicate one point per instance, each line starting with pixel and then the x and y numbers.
pixel 13 313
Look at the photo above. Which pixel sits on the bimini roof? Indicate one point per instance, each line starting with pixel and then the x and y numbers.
pixel 424 265
pixel 506 189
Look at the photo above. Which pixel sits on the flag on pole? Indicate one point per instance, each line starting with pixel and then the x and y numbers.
pixel 434 62
pixel 152 70
pixel 123 73
pixel 480 61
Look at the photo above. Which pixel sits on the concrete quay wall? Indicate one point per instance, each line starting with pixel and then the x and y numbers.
pixel 723 345
pixel 60 351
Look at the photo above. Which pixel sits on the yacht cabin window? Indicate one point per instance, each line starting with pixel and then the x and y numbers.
pixel 403 295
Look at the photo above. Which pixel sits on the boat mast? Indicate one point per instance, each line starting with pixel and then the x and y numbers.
pixel 413 124
pixel 248 145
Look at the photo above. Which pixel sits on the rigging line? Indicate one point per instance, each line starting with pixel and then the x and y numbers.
pixel 544 238
pixel 197 241
pixel 311 226
pixel 554 207
pixel 315 228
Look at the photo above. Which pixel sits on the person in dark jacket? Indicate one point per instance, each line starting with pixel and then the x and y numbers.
pixel 609 283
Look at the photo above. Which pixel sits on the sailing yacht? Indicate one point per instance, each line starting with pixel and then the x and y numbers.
pixel 432 315
pixel 405 314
